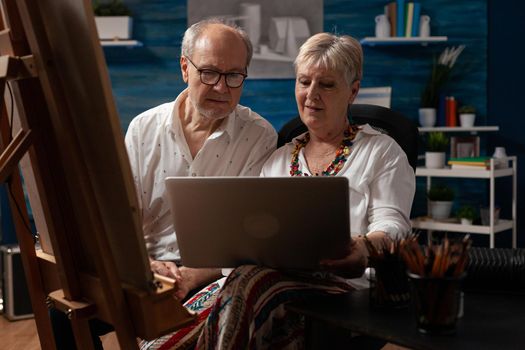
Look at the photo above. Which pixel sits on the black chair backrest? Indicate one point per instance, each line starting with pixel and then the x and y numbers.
pixel 403 130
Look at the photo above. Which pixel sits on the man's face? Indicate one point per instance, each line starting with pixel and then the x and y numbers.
pixel 220 49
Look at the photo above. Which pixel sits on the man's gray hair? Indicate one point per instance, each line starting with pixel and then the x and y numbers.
pixel 340 53
pixel 193 33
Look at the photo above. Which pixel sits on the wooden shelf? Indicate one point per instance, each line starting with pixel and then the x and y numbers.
pixel 122 43
pixel 457 128
pixel 425 223
pixel 373 41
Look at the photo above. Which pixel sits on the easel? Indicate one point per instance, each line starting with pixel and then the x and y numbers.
pixel 93 261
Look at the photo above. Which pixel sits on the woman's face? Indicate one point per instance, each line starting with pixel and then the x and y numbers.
pixel 323 97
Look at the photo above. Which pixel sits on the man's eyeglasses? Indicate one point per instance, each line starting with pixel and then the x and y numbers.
pixel 212 77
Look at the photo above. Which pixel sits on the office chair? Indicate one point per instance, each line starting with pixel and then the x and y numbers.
pixel 401 129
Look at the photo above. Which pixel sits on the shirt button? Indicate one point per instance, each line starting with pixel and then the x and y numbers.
pixel 193 174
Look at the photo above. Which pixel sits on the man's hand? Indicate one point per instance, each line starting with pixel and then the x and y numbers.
pixel 186 279
pixel 166 268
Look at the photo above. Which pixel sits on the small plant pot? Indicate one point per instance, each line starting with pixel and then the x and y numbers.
pixel 427 117
pixel 435 160
pixel 114 27
pixel 465 221
pixel 439 210
pixel 466 120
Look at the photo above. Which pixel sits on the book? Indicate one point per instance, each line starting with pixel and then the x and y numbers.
pixel 481 163
pixel 409 18
pixel 400 20
pixel 453 111
pixel 441 112
pixel 447 111
pixel 391 12
pixel 415 19
pixel 469 167
pixel 450 114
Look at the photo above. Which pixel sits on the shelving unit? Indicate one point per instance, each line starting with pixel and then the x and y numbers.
pixel 121 43
pixel 373 41
pixel 491 174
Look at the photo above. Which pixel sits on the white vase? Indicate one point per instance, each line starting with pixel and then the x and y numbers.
pixel 439 209
pixel 466 120
pixel 427 117
pixel 499 155
pixel 435 160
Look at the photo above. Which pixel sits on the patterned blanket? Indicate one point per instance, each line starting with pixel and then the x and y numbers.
pixel 249 311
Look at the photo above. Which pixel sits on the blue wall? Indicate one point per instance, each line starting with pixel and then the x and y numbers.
pixel 144 77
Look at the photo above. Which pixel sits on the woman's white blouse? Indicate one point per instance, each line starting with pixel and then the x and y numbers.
pixel 382 182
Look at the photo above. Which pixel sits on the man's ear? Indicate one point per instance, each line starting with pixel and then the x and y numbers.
pixel 354 90
pixel 184 68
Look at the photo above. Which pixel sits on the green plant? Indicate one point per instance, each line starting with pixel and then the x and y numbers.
pixel 467 109
pixel 439 76
pixel 441 193
pixel 110 8
pixel 437 142
pixel 467 212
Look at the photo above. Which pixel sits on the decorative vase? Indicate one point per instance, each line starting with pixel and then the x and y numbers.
pixel 427 117
pixel 439 209
pixel 499 155
pixel 435 160
pixel 466 120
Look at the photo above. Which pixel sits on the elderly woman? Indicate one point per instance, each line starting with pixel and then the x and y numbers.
pixel 248 311
pixel 382 184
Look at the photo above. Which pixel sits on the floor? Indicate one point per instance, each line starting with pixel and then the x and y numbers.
pixel 17 335
pixel 21 334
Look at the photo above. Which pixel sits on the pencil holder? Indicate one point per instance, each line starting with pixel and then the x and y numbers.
pixel 389 282
pixel 437 302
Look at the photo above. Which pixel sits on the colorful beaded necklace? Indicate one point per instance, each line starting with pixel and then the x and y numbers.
pixel 340 156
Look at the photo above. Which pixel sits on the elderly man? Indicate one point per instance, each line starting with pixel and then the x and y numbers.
pixel 204 132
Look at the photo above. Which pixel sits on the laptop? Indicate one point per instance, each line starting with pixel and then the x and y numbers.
pixel 283 222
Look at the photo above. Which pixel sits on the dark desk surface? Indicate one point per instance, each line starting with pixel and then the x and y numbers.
pixel 490 321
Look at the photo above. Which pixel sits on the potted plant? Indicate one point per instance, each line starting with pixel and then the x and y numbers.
pixel 439 76
pixel 440 199
pixel 467 116
pixel 466 214
pixel 436 146
pixel 113 20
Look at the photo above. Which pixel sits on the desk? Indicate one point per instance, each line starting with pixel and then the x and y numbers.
pixel 490 321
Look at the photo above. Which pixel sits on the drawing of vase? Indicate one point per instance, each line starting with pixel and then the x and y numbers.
pixel 251 22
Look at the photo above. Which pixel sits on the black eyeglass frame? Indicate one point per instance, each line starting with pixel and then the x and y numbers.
pixel 220 74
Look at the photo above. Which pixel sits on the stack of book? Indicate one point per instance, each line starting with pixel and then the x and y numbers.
pixel 403 17
pixel 472 163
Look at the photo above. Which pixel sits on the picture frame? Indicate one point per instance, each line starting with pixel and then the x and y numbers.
pixel 464 146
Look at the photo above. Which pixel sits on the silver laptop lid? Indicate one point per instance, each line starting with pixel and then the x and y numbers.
pixel 277 222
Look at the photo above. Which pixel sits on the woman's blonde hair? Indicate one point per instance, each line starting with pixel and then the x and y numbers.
pixel 340 53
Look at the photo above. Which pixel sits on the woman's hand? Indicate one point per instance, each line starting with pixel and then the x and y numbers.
pixel 353 264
